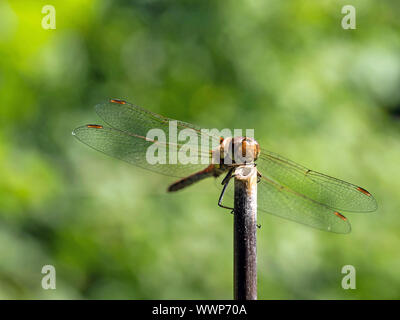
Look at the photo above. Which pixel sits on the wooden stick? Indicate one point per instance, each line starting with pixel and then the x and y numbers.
pixel 245 234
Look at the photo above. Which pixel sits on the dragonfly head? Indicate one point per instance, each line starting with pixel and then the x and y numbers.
pixel 240 150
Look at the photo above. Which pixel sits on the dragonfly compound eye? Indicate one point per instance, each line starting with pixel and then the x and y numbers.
pixel 250 148
pixel 246 150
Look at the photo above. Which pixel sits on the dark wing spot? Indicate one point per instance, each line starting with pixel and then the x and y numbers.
pixel 118 101
pixel 364 191
pixel 340 216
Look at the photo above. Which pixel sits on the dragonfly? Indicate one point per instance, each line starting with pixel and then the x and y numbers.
pixel 285 188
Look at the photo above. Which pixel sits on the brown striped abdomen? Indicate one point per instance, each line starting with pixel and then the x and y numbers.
pixel 187 181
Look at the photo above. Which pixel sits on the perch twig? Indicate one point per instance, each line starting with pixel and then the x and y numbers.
pixel 245 233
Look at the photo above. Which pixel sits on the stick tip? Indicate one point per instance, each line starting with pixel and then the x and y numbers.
pixel 245 172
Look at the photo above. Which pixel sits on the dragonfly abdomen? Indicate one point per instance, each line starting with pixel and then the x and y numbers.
pixel 210 171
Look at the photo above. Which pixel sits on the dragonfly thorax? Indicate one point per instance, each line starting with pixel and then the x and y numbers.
pixel 238 150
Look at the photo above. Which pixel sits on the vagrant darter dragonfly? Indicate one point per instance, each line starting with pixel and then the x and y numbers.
pixel 285 188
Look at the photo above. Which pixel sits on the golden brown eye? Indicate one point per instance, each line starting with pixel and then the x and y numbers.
pixel 244 147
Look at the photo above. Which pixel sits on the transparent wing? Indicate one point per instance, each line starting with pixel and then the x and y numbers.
pixel 331 192
pixel 278 200
pixel 129 118
pixel 282 202
pixel 133 149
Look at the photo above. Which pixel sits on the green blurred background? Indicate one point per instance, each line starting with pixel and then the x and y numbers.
pixel 323 96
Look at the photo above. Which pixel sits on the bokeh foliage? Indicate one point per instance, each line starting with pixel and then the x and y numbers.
pixel 325 97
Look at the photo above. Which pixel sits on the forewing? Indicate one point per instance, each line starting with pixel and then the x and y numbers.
pixel 132 148
pixel 332 192
pixel 129 118
pixel 278 200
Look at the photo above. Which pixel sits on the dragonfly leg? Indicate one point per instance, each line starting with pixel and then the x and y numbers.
pixel 258 176
pixel 228 176
pixel 225 182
